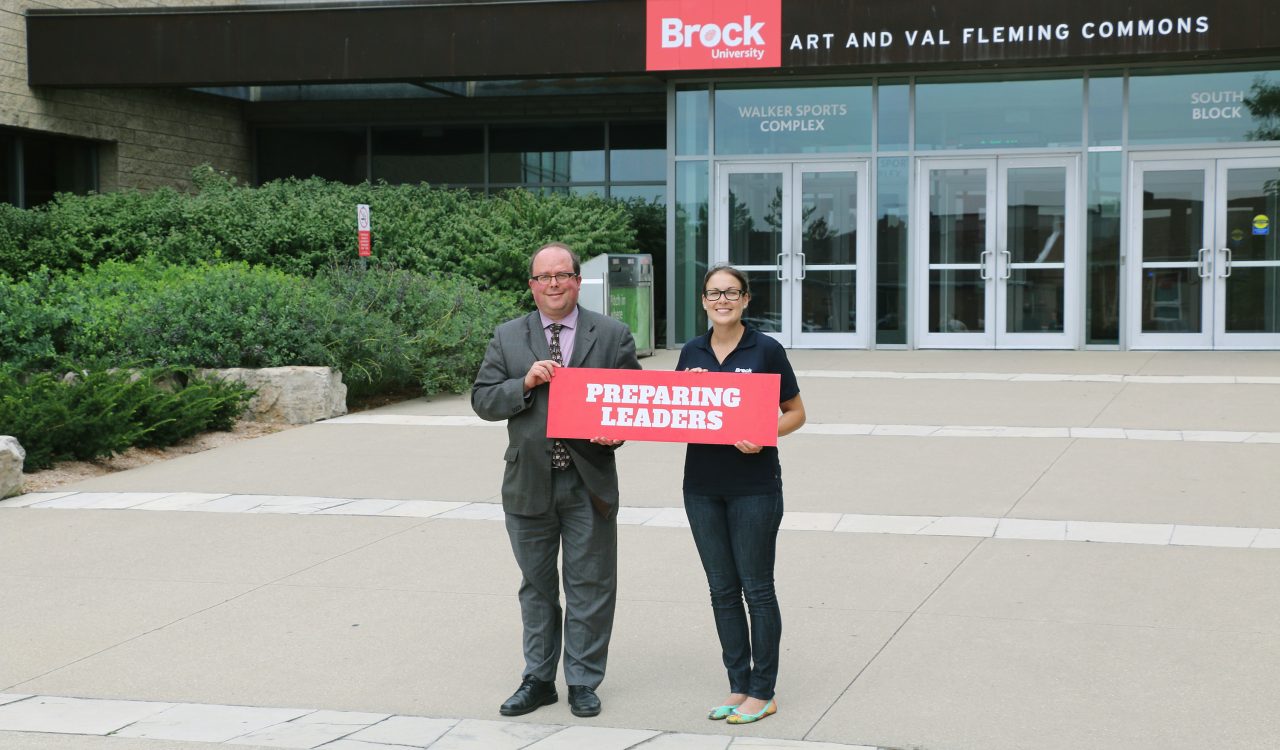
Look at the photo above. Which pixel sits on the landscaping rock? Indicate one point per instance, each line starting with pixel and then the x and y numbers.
pixel 293 395
pixel 11 457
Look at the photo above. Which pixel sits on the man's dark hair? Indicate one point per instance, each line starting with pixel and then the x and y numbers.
pixel 577 265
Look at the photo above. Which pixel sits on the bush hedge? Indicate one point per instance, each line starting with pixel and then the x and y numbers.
pixel 304 226
pixel 384 328
pixel 94 414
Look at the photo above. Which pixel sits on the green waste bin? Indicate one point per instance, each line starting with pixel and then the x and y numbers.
pixel 621 286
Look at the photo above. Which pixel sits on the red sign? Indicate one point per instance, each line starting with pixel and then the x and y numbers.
pixel 663 406
pixel 701 35
pixel 365 243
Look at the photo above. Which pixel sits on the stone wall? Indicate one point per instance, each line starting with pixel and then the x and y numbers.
pixel 148 138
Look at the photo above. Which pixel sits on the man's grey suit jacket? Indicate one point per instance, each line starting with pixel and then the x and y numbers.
pixel 498 393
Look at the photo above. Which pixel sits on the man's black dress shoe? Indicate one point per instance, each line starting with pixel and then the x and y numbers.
pixel 583 701
pixel 531 694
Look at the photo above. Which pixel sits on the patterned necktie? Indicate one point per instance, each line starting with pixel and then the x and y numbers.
pixel 560 458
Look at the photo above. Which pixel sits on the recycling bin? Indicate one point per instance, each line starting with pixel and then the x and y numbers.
pixel 620 285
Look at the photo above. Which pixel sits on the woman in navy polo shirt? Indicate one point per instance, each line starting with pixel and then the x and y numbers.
pixel 733 498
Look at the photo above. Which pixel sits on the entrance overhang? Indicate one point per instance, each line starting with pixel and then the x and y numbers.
pixel 441 41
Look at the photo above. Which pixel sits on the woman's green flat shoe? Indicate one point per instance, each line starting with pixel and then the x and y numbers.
pixel 720 712
pixel 737 717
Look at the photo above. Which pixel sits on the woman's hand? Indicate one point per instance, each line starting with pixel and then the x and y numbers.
pixel 746 446
pixel 696 369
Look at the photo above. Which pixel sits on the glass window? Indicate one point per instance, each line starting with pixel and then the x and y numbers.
pixel 691 216
pixel 1102 312
pixel 1106 109
pixel 337 154
pixel 893 120
pixel 50 165
pixel 999 114
pixel 8 168
pixel 547 154
pixel 638 151
pixel 793 119
pixel 891 250
pixel 431 154
pixel 646 193
pixel 691 121
pixel 1222 107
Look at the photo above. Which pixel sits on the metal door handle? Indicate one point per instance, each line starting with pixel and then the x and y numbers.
pixel 803 270
pixel 1226 263
pixel 1203 257
pixel 781 276
pixel 982 271
pixel 1008 263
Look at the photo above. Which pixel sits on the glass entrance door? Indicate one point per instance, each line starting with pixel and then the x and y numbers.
pixel 800 233
pixel 1206 270
pixel 996 253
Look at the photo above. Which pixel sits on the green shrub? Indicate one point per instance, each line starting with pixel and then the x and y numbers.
pixel 187 410
pixel 98 413
pixel 443 323
pixel 384 328
pixel 31 330
pixel 304 226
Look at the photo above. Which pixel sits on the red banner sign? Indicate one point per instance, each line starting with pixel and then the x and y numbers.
pixel 701 35
pixel 664 406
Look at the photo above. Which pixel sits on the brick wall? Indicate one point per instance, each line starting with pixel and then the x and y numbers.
pixel 151 137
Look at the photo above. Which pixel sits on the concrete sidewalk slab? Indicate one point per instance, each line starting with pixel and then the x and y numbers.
pixel 1189 483
pixel 360 461
pixel 54 621
pixel 35 741
pixel 1102 584
pixel 903 641
pixel 186 547
pixel 957 402
pixel 970 683
pixel 1253 408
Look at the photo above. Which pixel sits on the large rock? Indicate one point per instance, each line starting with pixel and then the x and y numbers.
pixel 294 395
pixel 11 457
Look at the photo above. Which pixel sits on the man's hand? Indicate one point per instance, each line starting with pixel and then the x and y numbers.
pixel 541 372
pixel 607 442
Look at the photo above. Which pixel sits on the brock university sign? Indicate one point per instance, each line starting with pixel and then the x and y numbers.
pixel 813 34
pixel 690 35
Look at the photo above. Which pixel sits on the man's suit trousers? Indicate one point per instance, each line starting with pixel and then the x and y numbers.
pixel 590 583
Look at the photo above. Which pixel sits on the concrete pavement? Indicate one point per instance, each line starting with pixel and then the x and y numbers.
pixel 982 550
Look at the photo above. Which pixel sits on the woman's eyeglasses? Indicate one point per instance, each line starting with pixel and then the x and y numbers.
pixel 733 295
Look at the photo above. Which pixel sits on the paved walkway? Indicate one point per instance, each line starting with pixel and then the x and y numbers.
pixel 981 550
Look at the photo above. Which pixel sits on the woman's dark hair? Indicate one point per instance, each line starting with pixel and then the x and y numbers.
pixel 726 268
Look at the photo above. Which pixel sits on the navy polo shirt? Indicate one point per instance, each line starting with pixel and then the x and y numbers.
pixel 723 469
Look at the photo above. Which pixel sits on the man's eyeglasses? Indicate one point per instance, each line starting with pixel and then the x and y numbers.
pixel 546 278
pixel 733 295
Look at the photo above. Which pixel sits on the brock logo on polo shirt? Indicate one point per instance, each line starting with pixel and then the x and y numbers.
pixel 701 35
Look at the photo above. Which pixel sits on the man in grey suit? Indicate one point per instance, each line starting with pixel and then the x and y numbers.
pixel 556 491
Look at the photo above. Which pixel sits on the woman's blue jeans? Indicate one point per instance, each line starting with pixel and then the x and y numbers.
pixel 737 536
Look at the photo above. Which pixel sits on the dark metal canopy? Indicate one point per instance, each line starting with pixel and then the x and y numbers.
pixel 247 45
pixel 486 39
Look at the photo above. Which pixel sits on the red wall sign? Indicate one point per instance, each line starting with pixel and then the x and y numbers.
pixel 663 406
pixel 702 35
pixel 364 230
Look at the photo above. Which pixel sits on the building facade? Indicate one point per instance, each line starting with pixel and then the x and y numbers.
pixel 888 174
